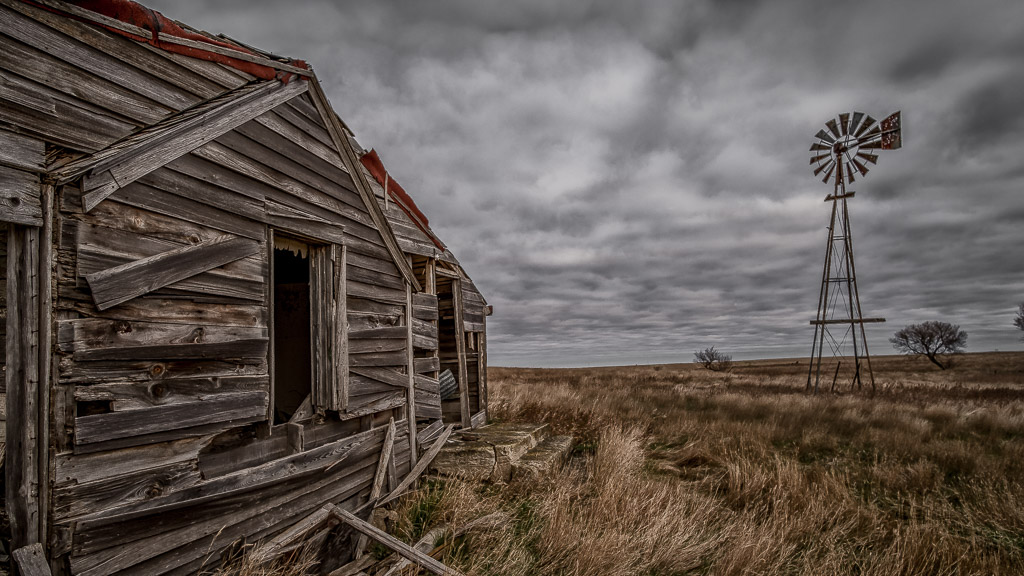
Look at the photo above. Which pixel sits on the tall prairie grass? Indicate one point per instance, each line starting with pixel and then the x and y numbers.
pixel 679 470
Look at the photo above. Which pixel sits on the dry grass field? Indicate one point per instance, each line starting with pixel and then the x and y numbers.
pixel 684 471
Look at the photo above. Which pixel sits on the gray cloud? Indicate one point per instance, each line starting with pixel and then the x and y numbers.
pixel 627 182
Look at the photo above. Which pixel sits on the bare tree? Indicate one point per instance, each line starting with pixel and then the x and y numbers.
pixel 1018 320
pixel 712 359
pixel 932 340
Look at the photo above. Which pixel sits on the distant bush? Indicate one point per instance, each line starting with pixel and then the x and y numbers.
pixel 712 359
pixel 1018 320
pixel 934 340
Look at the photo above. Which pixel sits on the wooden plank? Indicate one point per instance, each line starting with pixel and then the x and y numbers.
pixel 389 376
pixel 425 365
pixel 84 334
pixel 272 549
pixel 243 406
pixel 22 373
pixel 397 358
pixel 410 370
pixel 146 370
pixel 482 367
pixel 379 477
pixel 292 468
pixel 152 60
pixel 122 283
pixel 341 330
pixel 75 469
pixel 31 560
pixel 133 396
pixel 182 137
pixel 236 54
pixel 92 60
pixel 162 550
pixel 420 466
pixel 19 197
pixel 403 549
pixel 274 120
pixel 460 347
pixel 183 312
pixel 155 200
pixel 341 142
pixel 72 500
pixel 22 152
pixel 70 79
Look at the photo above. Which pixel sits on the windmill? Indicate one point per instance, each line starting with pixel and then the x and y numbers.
pixel 845 148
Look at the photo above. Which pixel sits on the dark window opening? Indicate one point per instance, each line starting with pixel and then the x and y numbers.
pixel 292 358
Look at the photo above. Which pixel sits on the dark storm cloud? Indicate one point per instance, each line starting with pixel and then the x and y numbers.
pixel 628 181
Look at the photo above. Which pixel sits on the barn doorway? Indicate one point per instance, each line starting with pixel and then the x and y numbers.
pixel 291 327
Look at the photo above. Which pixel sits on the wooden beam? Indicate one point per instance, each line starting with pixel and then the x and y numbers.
pixel 31 560
pixel 420 466
pixel 460 348
pixel 296 533
pixel 411 371
pixel 180 137
pixel 119 284
pixel 22 372
pixel 378 478
pixel 19 197
pixel 355 169
pixel 403 549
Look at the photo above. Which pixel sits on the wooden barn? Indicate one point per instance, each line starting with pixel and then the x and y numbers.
pixel 221 313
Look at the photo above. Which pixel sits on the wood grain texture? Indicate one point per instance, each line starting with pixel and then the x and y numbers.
pixel 122 283
pixel 19 197
pixel 242 406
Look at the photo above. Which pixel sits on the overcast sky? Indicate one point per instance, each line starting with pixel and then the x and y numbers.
pixel 627 182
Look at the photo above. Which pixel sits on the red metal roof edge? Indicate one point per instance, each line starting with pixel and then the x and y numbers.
pixel 136 14
pixel 371 160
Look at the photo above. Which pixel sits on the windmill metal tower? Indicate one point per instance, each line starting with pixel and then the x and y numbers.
pixel 842 152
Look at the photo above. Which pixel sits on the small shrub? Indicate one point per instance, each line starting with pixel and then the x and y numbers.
pixel 713 360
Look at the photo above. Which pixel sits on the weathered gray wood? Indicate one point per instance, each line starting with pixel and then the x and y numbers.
pixel 97 333
pixel 341 143
pixel 19 197
pixel 380 476
pixel 341 330
pixel 420 466
pixel 148 154
pixel 56 117
pixel 274 120
pixel 358 408
pixel 21 152
pixel 70 79
pixel 236 54
pixel 136 395
pixel 122 283
pixel 425 365
pixel 389 376
pixel 482 370
pixel 71 500
pixel 146 370
pixel 460 348
pixel 397 358
pixel 87 58
pixel 272 549
pixel 155 61
pixel 240 406
pixel 403 549
pixel 22 373
pixel 183 312
pixel 73 469
pixel 163 550
pixel 31 560
pixel 373 292
pixel 410 370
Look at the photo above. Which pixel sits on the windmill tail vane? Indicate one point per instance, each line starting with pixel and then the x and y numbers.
pixel 844 149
